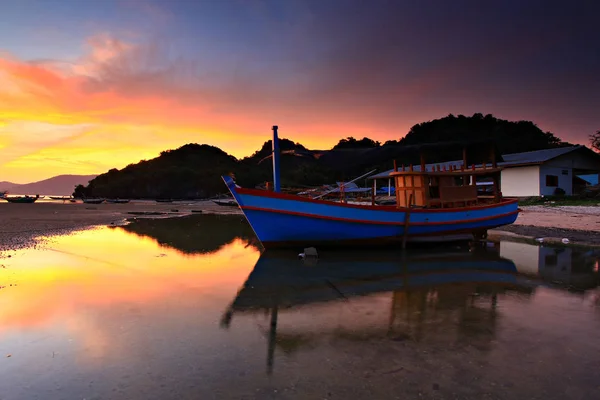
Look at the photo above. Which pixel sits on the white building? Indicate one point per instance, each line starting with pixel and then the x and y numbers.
pixel 538 173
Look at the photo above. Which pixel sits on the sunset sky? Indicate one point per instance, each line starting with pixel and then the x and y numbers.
pixel 89 85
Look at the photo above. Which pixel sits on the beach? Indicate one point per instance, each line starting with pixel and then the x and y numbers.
pixel 578 224
pixel 24 225
pixel 174 307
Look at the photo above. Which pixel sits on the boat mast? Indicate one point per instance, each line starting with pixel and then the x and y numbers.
pixel 276 182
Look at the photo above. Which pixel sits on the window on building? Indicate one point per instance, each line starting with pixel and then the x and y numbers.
pixel 551 181
pixel 550 260
pixel 565 172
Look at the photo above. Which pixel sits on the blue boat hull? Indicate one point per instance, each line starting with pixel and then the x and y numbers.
pixel 281 220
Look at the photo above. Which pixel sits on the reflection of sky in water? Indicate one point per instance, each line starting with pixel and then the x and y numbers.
pixel 103 268
pixel 108 314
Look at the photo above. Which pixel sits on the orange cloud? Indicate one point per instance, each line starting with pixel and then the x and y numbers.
pixel 124 101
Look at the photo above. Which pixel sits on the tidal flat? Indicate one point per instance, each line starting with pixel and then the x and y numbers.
pixel 191 307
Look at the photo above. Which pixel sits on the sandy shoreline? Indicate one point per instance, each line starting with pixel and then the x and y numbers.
pixel 22 224
pixel 580 225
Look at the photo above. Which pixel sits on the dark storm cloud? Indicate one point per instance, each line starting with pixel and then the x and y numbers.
pixel 395 58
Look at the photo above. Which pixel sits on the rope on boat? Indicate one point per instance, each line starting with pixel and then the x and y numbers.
pixel 345 183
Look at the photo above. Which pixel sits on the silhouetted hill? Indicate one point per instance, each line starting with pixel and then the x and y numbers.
pixel 510 137
pixel 301 166
pixel 193 171
pixel 61 185
pixel 352 143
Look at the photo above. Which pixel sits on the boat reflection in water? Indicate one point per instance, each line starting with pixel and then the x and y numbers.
pixel 423 290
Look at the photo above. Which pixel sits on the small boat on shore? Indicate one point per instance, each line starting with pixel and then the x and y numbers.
pixel 432 205
pixel 117 201
pixel 93 201
pixel 21 199
pixel 63 198
pixel 226 202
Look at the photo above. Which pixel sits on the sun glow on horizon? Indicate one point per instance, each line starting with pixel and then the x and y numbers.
pixel 110 108
pixel 126 97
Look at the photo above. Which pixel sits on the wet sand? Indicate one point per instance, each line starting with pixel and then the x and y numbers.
pixel 22 225
pixel 580 225
pixel 132 314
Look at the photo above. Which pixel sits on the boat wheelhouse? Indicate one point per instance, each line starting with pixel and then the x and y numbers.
pixel 449 185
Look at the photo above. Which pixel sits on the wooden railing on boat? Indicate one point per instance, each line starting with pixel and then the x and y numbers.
pixel 446 184
pixel 439 189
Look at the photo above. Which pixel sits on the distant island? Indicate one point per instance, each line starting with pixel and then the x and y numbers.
pixel 194 170
pixel 61 185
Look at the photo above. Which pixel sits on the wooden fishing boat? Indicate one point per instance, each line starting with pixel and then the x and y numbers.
pixel 432 204
pixel 21 199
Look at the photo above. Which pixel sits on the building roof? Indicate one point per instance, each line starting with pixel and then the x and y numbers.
pixel 509 160
pixel 537 156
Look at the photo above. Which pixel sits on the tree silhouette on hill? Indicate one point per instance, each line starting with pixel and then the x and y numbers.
pixel 352 143
pixel 595 141
pixel 194 170
pixel 510 137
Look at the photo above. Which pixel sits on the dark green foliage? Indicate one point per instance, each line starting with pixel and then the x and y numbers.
pixel 80 191
pixel 559 192
pixel 595 141
pixel 510 137
pixel 194 171
pixel 351 143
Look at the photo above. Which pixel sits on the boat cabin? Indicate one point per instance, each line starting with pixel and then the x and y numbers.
pixel 456 184
pixel 445 188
